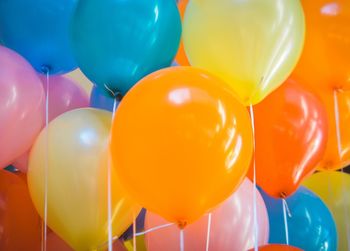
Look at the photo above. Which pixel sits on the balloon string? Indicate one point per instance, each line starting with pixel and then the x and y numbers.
pixel 256 230
pixel 182 241
pixel 285 212
pixel 208 232
pixel 134 233
pixel 154 229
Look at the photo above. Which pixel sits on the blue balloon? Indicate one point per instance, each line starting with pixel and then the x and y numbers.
pixel 39 31
pixel 118 42
pixel 311 226
pixel 101 99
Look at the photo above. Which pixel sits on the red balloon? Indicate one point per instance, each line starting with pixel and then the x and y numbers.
pixel 291 132
pixel 20 225
pixel 276 247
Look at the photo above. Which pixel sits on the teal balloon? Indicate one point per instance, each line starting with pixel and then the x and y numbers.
pixel 39 31
pixel 118 42
pixel 311 225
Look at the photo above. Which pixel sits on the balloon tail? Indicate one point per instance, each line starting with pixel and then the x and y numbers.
pixel 256 229
pixel 208 232
pixel 182 241
pixel 286 213
pixel 154 229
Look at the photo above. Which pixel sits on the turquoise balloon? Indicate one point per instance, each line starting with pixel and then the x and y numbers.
pixel 118 42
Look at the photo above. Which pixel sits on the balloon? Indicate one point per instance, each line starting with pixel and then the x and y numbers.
pixel 19 222
pixel 21 106
pixel 276 247
pixel 253 45
pixel 311 226
pixel 234 217
pixel 81 80
pixel 140 226
pixel 38 30
pixel 101 99
pixel 64 95
pixel 117 42
pixel 333 188
pixel 290 135
pixel 77 179
pixel 324 62
pixel 181 57
pixel 181 143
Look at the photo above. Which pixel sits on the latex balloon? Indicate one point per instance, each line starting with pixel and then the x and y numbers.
pixel 77 166
pixel 181 57
pixel 234 217
pixel 310 220
pixel 333 188
pixel 64 95
pixel 181 143
pixel 276 247
pixel 79 78
pixel 101 99
pixel 38 30
pixel 325 59
pixel 118 42
pixel 140 226
pixel 21 106
pixel 290 136
pixel 253 45
pixel 19 222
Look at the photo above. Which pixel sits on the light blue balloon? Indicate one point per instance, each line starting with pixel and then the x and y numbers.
pixel 118 42
pixel 101 99
pixel 39 31
pixel 311 226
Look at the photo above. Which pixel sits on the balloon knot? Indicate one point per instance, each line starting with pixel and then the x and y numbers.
pixel 283 195
pixel 182 224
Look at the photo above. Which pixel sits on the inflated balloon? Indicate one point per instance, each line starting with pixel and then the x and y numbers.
pixel 20 224
pixel 140 226
pixel 333 188
pixel 290 136
pixel 77 179
pixel 234 217
pixel 310 224
pixel 101 99
pixel 64 95
pixel 117 42
pixel 324 62
pixel 181 143
pixel 39 31
pixel 253 45
pixel 78 77
pixel 181 57
pixel 22 102
pixel 277 247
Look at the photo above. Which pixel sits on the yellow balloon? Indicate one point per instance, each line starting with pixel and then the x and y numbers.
pixel 252 44
pixel 334 189
pixel 77 172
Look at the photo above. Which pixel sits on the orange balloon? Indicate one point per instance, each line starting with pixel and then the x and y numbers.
pixel 181 143
pixel 181 57
pixel 20 225
pixel 277 247
pixel 325 59
pixel 291 136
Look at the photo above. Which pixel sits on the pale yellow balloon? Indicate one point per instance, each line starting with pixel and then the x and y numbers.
pixel 252 44
pixel 81 80
pixel 334 189
pixel 77 171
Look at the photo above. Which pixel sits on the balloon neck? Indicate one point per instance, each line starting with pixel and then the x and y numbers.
pixel 283 195
pixel 182 224
pixel 45 69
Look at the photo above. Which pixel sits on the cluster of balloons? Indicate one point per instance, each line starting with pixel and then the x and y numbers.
pixel 177 141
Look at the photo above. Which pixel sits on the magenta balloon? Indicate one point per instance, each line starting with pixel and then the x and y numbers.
pixel 232 226
pixel 22 101
pixel 64 95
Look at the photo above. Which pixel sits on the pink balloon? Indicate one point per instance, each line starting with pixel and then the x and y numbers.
pixel 64 95
pixel 22 101
pixel 232 226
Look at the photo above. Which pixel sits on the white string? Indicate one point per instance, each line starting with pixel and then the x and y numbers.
pixel 285 211
pixel 154 229
pixel 182 241
pixel 256 230
pixel 208 232
pixel 134 233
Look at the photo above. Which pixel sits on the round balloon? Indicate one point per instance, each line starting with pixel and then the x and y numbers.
pixel 253 45
pixel 277 247
pixel 75 144
pixel 181 143
pixel 39 31
pixel 116 43
pixel 309 219
pixel 333 188
pixel 22 102
pixel 101 99
pixel 181 57
pixel 291 132
pixel 234 217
